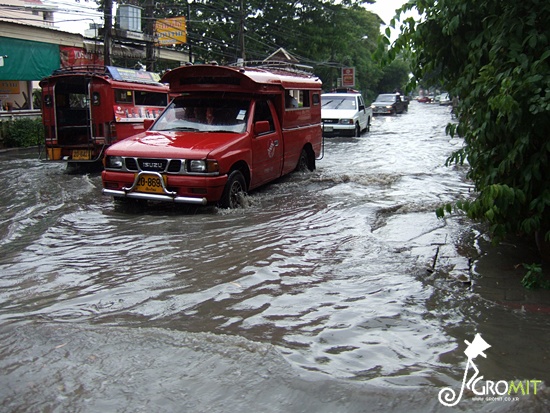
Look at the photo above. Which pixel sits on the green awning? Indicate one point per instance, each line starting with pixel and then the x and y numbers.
pixel 27 60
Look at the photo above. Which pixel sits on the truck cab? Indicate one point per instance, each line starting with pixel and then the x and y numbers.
pixel 229 130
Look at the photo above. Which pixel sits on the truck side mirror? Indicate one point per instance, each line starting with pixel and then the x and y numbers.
pixel 147 123
pixel 261 127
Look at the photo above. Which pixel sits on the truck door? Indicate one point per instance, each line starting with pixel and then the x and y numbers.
pixel 72 112
pixel 267 146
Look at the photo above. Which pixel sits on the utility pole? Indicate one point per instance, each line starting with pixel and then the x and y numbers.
pixel 107 29
pixel 187 37
pixel 241 32
pixel 150 32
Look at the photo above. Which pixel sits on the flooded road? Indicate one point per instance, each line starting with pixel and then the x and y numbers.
pixel 332 291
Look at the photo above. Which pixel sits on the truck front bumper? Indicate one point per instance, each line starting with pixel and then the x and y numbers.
pixel 184 189
pixel 155 197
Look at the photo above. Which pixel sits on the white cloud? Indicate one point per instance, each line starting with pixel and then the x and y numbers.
pixel 386 10
pixel 75 16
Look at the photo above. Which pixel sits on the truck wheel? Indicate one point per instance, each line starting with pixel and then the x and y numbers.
pixel 304 164
pixel 357 130
pixel 235 189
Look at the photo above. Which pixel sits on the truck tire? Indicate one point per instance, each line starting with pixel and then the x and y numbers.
pixel 235 189
pixel 305 164
pixel 357 132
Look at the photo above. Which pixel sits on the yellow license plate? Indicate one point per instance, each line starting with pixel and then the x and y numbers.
pixel 150 183
pixel 81 155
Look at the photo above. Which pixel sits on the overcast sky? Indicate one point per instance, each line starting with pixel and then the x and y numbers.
pixel 385 8
pixel 75 16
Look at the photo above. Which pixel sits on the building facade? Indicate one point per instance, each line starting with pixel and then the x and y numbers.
pixel 31 48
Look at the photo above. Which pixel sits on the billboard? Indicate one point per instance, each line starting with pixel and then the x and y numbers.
pixel 171 31
pixel 348 77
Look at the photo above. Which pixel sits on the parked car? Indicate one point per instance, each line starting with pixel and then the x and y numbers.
pixel 388 104
pixel 424 99
pixel 445 99
pixel 344 114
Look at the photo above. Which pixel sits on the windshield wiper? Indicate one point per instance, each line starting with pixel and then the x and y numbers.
pixel 340 104
pixel 179 128
pixel 223 131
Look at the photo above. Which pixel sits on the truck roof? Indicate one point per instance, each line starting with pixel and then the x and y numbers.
pixel 342 94
pixel 266 79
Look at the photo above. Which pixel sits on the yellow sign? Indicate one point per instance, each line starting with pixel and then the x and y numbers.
pixel 171 31
pixel 10 87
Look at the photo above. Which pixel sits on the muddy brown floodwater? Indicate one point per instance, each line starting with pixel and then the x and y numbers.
pixel 332 291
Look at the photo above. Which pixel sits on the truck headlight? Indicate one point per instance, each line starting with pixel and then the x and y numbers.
pixel 346 121
pixel 114 162
pixel 203 166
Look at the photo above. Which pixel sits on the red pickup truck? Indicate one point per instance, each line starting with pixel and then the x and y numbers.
pixel 228 131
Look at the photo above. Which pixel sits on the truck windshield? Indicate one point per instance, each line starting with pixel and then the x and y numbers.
pixel 204 115
pixel 386 98
pixel 343 103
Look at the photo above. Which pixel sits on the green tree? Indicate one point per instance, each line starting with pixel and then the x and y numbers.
pixel 394 76
pixel 325 34
pixel 494 55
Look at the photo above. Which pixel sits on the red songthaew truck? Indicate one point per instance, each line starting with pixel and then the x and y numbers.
pixel 87 108
pixel 228 130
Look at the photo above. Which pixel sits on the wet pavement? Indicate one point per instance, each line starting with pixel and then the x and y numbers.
pixel 335 291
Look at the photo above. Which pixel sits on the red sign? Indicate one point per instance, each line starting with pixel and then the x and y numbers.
pixel 76 56
pixel 348 76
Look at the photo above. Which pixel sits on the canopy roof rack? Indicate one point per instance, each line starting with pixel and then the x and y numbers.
pixel 85 69
pixel 115 73
pixel 276 64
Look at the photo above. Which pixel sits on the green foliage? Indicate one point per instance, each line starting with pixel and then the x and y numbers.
pixel 445 209
pixel 394 76
pixel 494 55
pixel 534 278
pixel 22 132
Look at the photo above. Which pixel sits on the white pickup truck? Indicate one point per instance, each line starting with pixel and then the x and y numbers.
pixel 345 114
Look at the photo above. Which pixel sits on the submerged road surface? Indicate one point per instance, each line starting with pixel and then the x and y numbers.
pixel 332 291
